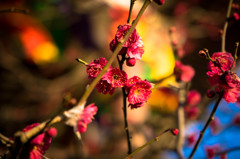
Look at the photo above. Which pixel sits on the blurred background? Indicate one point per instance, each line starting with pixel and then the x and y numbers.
pixel 38 69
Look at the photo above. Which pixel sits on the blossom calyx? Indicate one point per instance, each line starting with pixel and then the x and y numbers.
pixel 159 2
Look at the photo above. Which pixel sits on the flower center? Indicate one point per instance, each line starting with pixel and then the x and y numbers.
pixel 116 77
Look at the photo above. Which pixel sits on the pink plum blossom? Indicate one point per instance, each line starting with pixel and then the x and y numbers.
pixel 116 77
pixel 86 117
pixel 133 47
pixel 104 87
pixel 222 62
pixel 79 117
pixel 95 67
pixel 139 93
pixel 183 72
pixel 229 82
pixel 193 97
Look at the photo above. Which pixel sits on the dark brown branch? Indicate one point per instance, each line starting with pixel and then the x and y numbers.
pixel 211 117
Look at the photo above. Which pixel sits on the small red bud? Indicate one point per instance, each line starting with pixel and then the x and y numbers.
pixel 52 132
pixel 159 2
pixel 172 29
pixel 174 131
pixel 236 16
pixel 174 43
pixel 131 62
pixel 210 93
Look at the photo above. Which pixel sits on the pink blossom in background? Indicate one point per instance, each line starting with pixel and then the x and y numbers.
pixel 139 93
pixel 212 150
pixel 86 117
pixel 183 72
pixel 191 112
pixel 223 62
pixel 215 125
pixel 236 119
pixel 133 47
pixel 191 139
pixel 95 67
pixel 116 77
pixel 193 97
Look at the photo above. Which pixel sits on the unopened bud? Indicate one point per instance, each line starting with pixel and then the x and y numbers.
pixel 202 53
pixel 210 93
pixel 236 16
pixel 159 2
pixel 175 131
pixel 52 132
pixel 174 43
pixel 131 62
pixel 172 29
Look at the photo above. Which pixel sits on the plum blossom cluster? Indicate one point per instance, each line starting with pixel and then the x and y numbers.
pixel 221 76
pixel 132 49
pixel 138 90
pixel 112 79
pixel 38 145
pixel 79 117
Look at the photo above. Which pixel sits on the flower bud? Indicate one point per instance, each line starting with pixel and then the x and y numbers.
pixel 131 62
pixel 52 132
pixel 210 93
pixel 236 16
pixel 172 29
pixel 202 53
pixel 174 131
pixel 159 2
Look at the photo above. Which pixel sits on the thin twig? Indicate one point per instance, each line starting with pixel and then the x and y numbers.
pixel 211 117
pixel 14 10
pixel 130 10
pixel 120 62
pixel 227 151
pixel 146 144
pixel 225 26
pixel 6 140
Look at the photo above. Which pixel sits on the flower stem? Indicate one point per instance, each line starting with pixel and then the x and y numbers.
pixel 235 55
pixel 120 62
pixel 225 26
pixel 125 121
pixel 14 10
pixel 180 112
pixel 130 10
pixel 146 144
pixel 211 117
